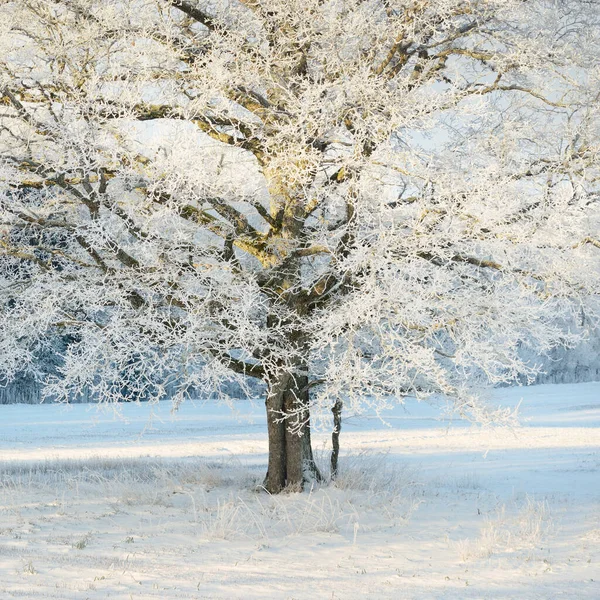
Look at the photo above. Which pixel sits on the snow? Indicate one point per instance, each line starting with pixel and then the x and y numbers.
pixel 149 505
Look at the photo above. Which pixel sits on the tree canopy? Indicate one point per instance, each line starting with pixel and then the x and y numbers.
pixel 350 200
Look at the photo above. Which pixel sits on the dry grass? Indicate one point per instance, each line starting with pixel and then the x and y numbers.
pixel 517 528
pixel 217 500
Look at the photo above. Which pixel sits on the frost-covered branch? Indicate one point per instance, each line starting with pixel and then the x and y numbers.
pixel 387 198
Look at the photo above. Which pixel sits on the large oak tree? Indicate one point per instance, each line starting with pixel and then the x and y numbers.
pixel 350 200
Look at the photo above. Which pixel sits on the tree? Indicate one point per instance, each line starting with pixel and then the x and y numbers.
pixel 350 200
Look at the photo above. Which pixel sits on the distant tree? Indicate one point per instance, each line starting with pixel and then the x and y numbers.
pixel 351 200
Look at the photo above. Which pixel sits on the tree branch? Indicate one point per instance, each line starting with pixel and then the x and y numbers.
pixel 239 366
pixel 588 240
pixel 195 13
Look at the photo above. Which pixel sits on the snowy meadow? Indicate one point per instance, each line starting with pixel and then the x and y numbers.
pixel 147 505
pixel 365 213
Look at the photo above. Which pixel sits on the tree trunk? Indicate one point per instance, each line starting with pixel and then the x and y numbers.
pixel 335 437
pixel 311 471
pixel 291 460
pixel 276 473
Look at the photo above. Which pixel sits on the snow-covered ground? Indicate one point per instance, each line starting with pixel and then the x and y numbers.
pixel 94 505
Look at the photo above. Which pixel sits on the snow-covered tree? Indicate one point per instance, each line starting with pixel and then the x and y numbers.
pixel 351 200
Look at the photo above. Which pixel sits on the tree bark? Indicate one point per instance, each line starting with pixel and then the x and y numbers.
pixel 276 477
pixel 293 439
pixel 311 471
pixel 291 460
pixel 335 437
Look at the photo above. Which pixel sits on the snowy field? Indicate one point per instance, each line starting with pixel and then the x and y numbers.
pixel 135 506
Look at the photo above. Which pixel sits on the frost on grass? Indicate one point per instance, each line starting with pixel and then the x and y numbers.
pixel 214 501
pixel 519 528
pixel 181 528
